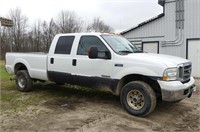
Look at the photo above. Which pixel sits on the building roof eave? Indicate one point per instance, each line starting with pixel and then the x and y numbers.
pixel 143 23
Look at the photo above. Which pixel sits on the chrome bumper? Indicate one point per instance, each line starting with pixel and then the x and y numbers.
pixel 171 96
pixel 175 90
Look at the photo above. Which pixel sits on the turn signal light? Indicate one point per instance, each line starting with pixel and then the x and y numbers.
pixel 164 78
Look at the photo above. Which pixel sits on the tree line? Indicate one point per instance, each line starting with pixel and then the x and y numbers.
pixel 37 38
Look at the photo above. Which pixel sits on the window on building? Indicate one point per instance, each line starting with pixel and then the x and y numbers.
pixel 87 41
pixel 150 47
pixel 64 45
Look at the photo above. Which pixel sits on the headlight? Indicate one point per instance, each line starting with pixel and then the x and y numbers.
pixel 170 74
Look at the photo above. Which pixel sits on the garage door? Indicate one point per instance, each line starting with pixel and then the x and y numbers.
pixel 150 47
pixel 193 47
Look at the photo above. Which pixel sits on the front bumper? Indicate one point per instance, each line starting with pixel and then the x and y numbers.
pixel 175 90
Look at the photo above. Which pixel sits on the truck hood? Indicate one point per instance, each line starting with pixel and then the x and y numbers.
pixel 167 60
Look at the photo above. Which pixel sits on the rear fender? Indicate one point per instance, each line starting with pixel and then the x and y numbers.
pixel 24 62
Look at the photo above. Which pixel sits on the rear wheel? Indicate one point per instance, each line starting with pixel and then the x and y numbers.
pixel 23 81
pixel 138 98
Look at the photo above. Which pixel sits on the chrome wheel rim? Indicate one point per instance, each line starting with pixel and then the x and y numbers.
pixel 21 81
pixel 135 99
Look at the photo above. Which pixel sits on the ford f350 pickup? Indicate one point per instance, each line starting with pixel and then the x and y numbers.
pixel 107 61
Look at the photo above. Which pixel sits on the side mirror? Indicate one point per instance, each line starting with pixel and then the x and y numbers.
pixel 93 52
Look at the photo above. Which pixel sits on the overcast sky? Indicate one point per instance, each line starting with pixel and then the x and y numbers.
pixel 119 14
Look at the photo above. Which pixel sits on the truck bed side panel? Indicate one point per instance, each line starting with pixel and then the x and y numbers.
pixel 36 63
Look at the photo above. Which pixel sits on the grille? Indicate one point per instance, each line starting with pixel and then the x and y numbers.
pixel 185 72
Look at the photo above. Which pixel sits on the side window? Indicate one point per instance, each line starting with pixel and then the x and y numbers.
pixel 87 41
pixel 64 45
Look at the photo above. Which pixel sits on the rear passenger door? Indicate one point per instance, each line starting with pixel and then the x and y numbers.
pixel 60 63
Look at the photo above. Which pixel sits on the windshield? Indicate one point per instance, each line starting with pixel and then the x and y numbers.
pixel 120 45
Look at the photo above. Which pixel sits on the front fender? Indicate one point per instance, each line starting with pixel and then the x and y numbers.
pixel 140 71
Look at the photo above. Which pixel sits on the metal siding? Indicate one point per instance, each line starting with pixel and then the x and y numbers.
pixel 170 31
pixel 192 18
pixel 165 26
pixel 169 19
pixel 179 51
pixel 151 29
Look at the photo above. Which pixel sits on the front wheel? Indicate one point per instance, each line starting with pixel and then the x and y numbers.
pixel 23 81
pixel 138 98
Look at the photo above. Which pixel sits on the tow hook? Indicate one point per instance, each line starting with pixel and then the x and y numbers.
pixel 14 78
pixel 192 89
pixel 189 95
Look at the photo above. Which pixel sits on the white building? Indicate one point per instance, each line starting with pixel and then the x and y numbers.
pixel 176 31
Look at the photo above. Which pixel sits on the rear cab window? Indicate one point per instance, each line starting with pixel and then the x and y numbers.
pixel 64 45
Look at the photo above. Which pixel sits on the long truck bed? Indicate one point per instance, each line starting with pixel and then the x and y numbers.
pixel 35 62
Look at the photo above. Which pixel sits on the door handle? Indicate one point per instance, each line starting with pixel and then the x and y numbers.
pixel 74 62
pixel 52 60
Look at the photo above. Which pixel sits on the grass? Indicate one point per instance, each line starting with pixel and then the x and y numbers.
pixel 4 75
pixel 13 101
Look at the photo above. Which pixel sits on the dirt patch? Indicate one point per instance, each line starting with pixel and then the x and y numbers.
pixel 86 111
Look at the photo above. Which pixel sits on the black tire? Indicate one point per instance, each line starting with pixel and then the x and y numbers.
pixel 138 98
pixel 57 83
pixel 23 81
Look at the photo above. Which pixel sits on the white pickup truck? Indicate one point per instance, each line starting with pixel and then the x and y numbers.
pixel 109 62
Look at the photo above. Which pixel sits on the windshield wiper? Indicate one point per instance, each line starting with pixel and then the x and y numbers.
pixel 139 51
pixel 125 51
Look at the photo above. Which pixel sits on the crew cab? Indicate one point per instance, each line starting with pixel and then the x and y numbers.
pixel 107 62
